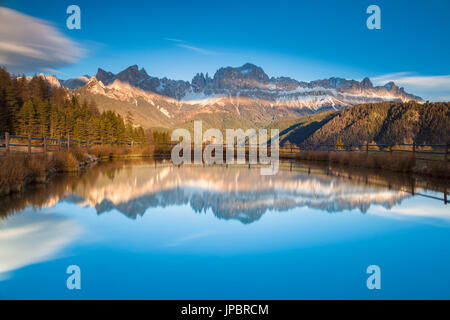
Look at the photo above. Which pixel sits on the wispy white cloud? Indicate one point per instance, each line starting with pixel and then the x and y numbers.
pixel 196 49
pixel 28 44
pixel 183 44
pixel 174 40
pixel 383 79
pixel 436 88
pixel 407 78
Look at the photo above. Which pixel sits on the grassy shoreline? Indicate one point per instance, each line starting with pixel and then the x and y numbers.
pixel 17 170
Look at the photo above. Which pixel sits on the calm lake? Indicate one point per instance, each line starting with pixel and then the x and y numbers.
pixel 151 230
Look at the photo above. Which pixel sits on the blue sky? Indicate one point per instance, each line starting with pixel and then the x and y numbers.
pixel 305 40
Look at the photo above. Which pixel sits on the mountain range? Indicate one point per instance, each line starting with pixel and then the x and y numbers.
pixel 243 96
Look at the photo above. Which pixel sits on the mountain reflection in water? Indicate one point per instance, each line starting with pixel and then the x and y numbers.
pixel 264 237
pixel 233 192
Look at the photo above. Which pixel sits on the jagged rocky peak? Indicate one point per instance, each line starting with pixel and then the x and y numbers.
pixel 200 82
pixel 286 83
pixel 245 77
pixel 94 86
pixel 132 75
pixel 391 86
pixel 366 83
pixel 93 81
pixel 254 72
pixel 105 76
pixel 393 89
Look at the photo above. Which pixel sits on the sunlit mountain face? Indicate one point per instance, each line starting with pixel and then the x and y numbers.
pixel 233 192
pixel 240 94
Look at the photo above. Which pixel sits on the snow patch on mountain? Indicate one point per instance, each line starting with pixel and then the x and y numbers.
pixel 164 111
pixel 201 98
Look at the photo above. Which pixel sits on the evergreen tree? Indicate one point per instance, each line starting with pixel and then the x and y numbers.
pixel 26 119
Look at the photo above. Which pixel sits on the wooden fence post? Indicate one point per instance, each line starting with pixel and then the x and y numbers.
pixel 68 141
pixel 446 151
pixel 367 147
pixel 45 145
pixel 414 149
pixel 7 142
pixel 29 144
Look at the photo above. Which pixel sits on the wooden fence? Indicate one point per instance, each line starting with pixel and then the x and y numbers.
pixel 420 151
pixel 28 144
